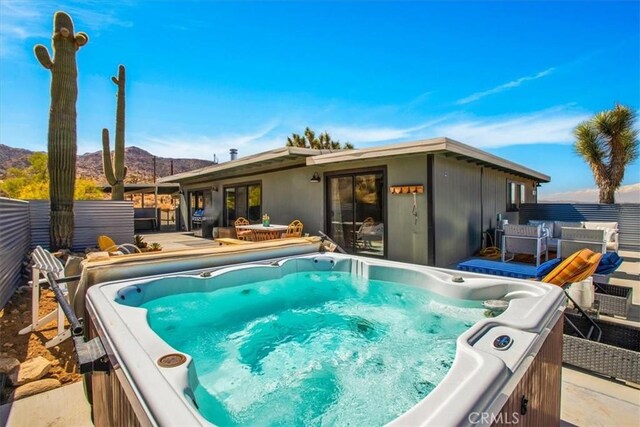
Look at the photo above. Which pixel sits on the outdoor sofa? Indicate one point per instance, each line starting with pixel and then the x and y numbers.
pixel 553 231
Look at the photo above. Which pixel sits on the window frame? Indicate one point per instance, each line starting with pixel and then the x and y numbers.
pixel 516 195
pixel 246 184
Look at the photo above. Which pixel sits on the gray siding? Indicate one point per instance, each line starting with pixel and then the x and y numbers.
pixel 14 243
pixel 92 218
pixel 457 199
pixel 289 195
pixel 626 215
pixel 467 199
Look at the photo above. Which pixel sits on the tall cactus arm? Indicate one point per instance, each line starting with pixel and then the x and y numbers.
pixel 42 54
pixel 106 158
pixel 81 39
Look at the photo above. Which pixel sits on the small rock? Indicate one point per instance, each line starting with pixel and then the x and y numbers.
pixel 23 306
pixel 8 364
pixel 35 387
pixel 15 311
pixel 31 370
pixel 8 345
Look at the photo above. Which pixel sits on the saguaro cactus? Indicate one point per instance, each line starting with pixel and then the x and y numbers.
pixel 116 171
pixel 61 144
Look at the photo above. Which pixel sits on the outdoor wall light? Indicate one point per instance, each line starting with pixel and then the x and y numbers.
pixel 315 177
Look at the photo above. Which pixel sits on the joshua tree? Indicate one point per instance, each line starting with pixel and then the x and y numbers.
pixel 115 175
pixel 61 144
pixel 309 140
pixel 608 142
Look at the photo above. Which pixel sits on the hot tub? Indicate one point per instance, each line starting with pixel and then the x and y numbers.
pixel 496 368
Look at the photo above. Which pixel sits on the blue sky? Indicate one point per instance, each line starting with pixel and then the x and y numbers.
pixel 511 78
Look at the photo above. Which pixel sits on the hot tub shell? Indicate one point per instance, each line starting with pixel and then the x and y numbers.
pixel 484 386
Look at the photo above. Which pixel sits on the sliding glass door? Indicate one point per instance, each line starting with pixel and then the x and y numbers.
pixel 356 211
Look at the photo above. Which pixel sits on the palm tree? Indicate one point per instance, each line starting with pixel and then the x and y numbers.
pixel 608 142
pixel 322 142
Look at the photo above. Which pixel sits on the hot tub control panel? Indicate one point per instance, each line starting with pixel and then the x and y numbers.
pixel 510 345
pixel 502 342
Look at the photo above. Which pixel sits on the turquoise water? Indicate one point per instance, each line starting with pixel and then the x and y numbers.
pixel 313 348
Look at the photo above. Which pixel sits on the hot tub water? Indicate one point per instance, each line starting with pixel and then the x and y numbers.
pixel 319 347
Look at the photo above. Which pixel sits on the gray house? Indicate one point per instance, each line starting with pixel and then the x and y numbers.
pixel 429 202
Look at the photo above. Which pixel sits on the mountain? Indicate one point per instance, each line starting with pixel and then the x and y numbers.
pixel 139 164
pixel 13 158
pixel 625 194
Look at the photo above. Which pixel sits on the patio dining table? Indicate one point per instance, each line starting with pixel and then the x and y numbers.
pixel 260 233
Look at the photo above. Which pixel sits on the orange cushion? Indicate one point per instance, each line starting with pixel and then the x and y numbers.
pixel 577 267
pixel 105 242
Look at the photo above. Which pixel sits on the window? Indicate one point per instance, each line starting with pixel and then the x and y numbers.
pixel 515 195
pixel 244 200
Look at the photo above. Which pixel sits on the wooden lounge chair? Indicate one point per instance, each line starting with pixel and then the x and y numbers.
pixel 240 233
pixel 106 244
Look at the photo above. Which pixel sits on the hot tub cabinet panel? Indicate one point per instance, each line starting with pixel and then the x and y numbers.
pixel 484 386
pixel 113 398
pixel 536 399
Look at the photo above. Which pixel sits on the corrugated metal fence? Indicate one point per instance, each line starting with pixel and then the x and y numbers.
pixel 626 215
pixel 14 243
pixel 91 219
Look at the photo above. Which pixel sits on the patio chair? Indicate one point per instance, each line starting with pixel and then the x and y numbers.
pixel 242 234
pixel 66 277
pixel 576 268
pixel 294 229
pixel 107 244
pixel 573 239
pixel 524 239
pixel 367 224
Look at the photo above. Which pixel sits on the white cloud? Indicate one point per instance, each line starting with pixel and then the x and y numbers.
pixel 553 126
pixel 205 146
pixel 22 20
pixel 625 194
pixel 17 25
pixel 372 134
pixel 510 85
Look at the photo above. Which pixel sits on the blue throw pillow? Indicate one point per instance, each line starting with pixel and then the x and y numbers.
pixel 608 263
pixel 546 267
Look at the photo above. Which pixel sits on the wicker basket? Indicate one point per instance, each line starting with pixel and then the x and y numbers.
pixel 617 355
pixel 617 300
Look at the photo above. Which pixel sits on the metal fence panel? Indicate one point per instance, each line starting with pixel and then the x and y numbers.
pixel 91 219
pixel 626 215
pixel 39 221
pixel 14 243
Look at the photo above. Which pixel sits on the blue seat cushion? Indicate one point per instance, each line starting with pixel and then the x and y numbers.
pixel 608 263
pixel 509 269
